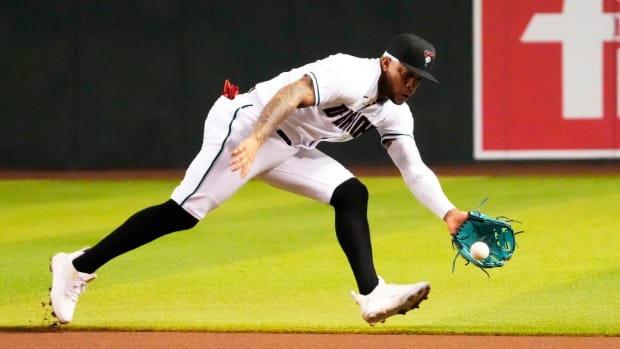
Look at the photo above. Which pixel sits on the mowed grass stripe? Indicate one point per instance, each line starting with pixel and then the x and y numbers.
pixel 269 261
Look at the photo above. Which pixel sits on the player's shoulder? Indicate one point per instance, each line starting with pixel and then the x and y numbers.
pixel 393 114
pixel 349 61
pixel 399 110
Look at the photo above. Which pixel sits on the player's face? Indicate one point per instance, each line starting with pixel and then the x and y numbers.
pixel 399 83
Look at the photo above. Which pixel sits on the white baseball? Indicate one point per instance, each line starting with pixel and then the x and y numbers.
pixel 479 250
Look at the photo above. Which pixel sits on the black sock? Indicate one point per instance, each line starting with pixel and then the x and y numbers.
pixel 350 202
pixel 141 228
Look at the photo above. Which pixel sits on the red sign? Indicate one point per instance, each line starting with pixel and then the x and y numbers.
pixel 546 79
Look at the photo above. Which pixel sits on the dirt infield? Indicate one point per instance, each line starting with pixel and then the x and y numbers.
pixel 139 340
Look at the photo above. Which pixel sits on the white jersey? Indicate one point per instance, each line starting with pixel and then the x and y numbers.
pixel 345 93
pixel 345 90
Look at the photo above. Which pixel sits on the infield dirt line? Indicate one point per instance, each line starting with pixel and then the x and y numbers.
pixel 139 340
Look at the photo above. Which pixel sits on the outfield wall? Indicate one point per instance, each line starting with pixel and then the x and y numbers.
pixel 126 84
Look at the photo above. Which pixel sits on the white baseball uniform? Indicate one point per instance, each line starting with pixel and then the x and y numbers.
pixel 345 107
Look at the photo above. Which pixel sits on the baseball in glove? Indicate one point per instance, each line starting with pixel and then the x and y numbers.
pixel 496 233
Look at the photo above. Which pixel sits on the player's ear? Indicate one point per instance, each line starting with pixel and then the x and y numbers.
pixel 385 63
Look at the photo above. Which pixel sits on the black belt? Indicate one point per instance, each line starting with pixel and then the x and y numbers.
pixel 283 136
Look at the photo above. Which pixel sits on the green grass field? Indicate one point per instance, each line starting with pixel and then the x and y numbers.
pixel 269 261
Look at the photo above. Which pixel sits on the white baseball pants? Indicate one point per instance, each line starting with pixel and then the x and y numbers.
pixel 208 181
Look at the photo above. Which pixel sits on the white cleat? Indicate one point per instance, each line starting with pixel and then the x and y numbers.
pixel 390 299
pixel 67 285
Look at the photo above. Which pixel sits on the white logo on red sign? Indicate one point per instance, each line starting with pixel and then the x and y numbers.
pixel 546 79
pixel 581 28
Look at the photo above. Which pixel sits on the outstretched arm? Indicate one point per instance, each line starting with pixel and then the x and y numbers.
pixel 423 182
pixel 298 94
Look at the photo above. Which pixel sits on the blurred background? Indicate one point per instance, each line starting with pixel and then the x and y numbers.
pixel 127 84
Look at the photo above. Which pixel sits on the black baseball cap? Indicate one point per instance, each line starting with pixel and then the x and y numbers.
pixel 415 53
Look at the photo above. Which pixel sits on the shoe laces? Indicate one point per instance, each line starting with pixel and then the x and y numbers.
pixel 79 282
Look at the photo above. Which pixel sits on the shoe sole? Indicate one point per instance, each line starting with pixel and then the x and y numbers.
pixel 51 268
pixel 412 302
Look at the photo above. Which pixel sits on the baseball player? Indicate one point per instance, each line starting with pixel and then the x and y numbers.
pixel 270 133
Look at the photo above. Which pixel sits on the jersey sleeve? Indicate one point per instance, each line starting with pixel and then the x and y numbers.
pixel 421 180
pixel 396 121
pixel 334 80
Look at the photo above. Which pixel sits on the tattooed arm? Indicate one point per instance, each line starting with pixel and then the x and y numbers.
pixel 298 94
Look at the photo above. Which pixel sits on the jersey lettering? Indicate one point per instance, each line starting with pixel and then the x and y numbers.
pixel 352 122
pixel 334 111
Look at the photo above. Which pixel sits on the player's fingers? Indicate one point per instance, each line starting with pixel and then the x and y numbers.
pixel 237 156
pixel 242 157
pixel 244 171
pixel 234 160
pixel 236 152
pixel 234 167
pixel 240 163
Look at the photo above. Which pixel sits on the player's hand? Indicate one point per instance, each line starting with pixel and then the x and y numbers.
pixel 454 219
pixel 243 156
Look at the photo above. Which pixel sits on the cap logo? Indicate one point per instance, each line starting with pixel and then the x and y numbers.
pixel 428 57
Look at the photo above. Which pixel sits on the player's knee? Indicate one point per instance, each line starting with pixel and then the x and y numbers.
pixel 177 216
pixel 350 193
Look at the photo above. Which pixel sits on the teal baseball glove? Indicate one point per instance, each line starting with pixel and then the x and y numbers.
pixel 496 233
